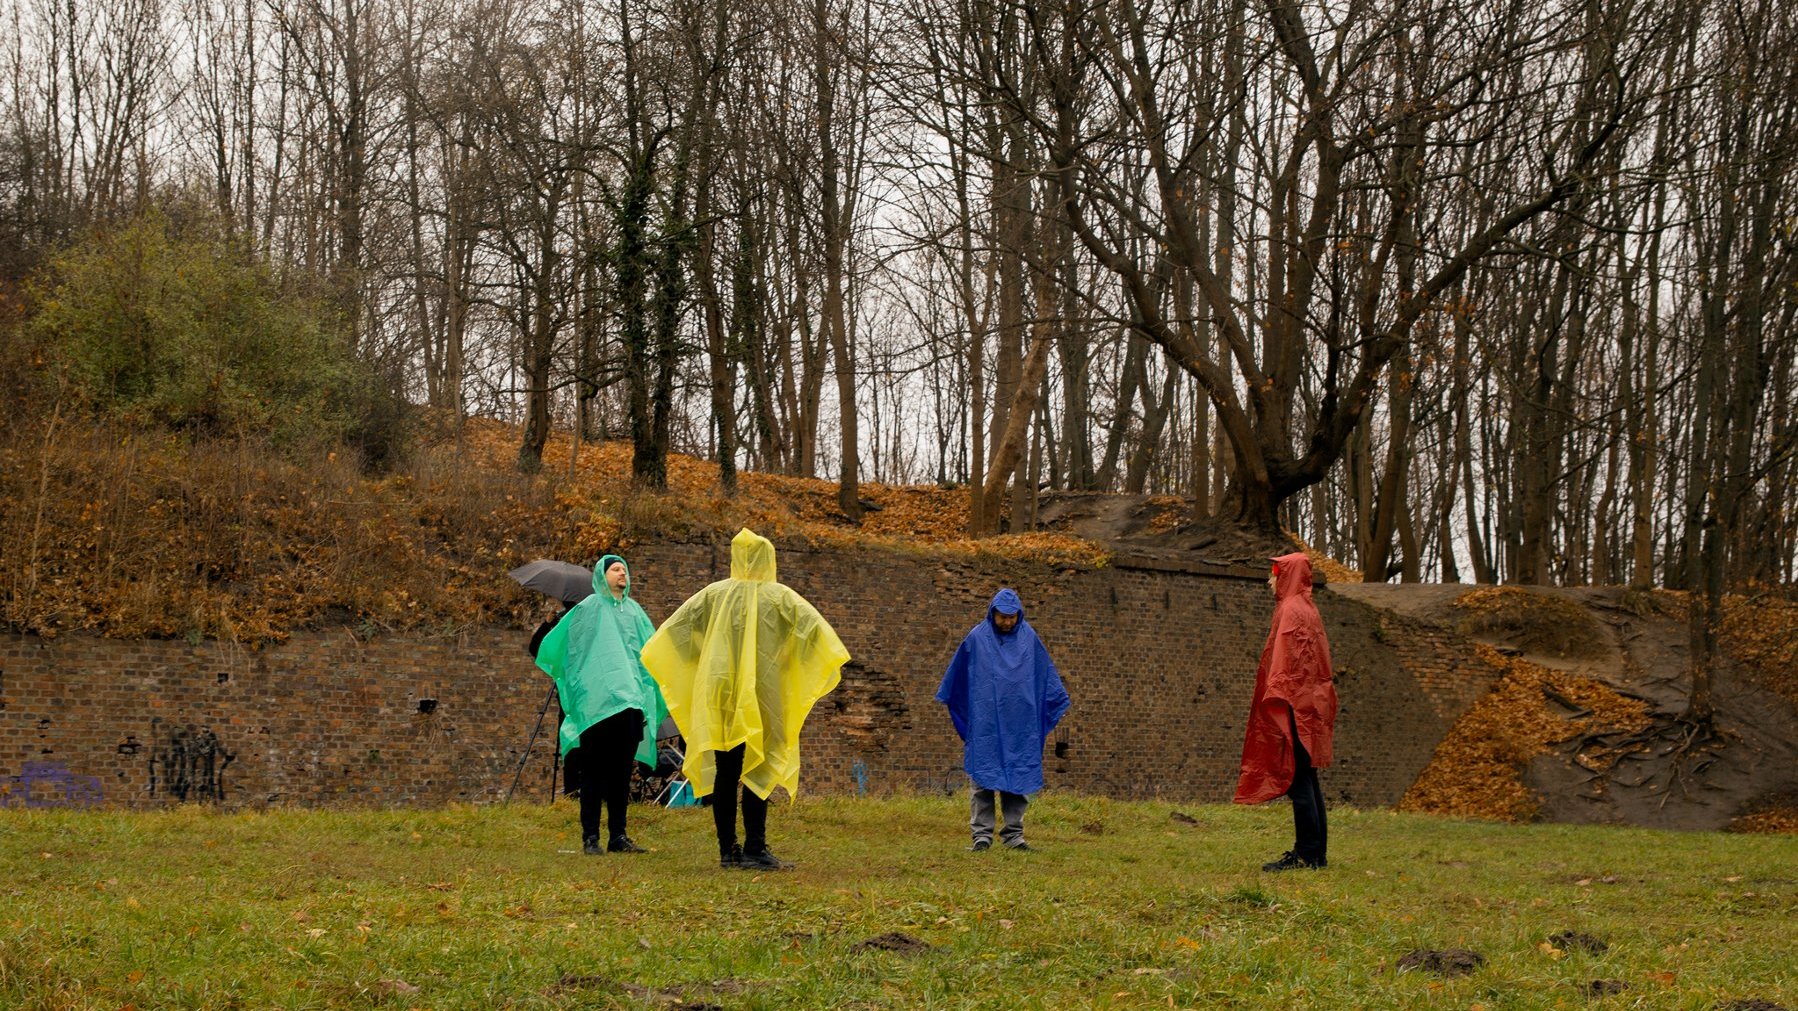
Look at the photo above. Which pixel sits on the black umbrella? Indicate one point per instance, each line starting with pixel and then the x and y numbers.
pixel 564 581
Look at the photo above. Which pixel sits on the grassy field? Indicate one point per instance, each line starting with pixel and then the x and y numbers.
pixel 1123 906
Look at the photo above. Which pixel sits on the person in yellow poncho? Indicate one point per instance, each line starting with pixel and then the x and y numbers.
pixel 740 665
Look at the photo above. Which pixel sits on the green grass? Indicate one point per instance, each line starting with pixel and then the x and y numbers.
pixel 1121 907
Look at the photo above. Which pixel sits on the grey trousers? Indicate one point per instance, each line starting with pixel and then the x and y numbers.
pixel 980 822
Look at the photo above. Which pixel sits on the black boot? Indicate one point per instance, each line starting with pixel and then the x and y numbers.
pixel 621 843
pixel 763 860
pixel 1290 861
pixel 590 846
pixel 730 858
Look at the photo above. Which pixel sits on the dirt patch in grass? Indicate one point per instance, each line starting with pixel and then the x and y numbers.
pixel 1573 940
pixel 1452 962
pixel 685 997
pixel 897 941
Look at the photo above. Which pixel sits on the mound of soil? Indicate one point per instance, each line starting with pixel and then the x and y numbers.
pixel 1573 940
pixel 1555 740
pixel 895 941
pixel 1531 621
pixel 1451 963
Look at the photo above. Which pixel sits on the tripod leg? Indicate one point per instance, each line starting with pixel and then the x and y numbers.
pixel 526 757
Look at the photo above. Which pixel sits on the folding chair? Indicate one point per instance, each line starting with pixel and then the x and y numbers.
pixel 670 753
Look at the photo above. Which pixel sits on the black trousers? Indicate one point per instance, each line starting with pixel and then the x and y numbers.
pixel 1310 826
pixel 724 807
pixel 608 753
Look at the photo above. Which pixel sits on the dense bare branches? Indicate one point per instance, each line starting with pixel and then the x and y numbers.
pixel 1498 291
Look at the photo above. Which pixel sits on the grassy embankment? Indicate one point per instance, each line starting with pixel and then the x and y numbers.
pixel 1124 905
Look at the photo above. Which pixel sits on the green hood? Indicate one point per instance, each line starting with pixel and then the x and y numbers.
pixel 599 575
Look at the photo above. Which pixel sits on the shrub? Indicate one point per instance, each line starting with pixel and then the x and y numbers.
pixel 177 327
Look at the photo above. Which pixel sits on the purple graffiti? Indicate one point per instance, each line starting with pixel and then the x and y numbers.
pixel 49 784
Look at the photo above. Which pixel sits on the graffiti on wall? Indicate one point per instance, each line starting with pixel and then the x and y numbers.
pixel 49 784
pixel 188 763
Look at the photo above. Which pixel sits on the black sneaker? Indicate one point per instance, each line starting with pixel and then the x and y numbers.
pixel 763 860
pixel 730 858
pixel 1290 861
pixel 590 846
pixel 1019 847
pixel 623 844
pixel 981 846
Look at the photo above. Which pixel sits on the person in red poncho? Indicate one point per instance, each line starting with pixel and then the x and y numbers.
pixel 1293 716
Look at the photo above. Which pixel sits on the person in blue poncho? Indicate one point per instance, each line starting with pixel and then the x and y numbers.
pixel 1004 697
pixel 611 706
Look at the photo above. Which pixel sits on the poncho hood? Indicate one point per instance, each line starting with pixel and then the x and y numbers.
pixel 1292 575
pixel 599 575
pixel 1293 686
pixel 751 557
pixel 592 654
pixel 742 662
pixel 1004 696
pixel 1005 602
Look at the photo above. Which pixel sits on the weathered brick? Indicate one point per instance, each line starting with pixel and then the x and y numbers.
pixel 1160 665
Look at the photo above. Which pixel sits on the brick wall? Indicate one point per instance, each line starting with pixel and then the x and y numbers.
pixel 1159 658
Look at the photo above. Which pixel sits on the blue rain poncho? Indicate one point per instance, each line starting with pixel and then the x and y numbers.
pixel 1004 697
pixel 592 654
pixel 743 662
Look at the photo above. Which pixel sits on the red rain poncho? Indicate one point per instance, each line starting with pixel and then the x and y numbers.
pixel 1294 676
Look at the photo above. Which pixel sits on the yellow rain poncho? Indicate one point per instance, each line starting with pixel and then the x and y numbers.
pixel 742 662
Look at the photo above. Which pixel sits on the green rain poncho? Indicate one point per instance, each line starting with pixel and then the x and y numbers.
pixel 592 654
pixel 742 662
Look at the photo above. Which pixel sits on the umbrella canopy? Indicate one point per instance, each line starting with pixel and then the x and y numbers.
pixel 564 581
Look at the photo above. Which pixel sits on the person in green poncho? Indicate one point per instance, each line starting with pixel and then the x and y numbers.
pixel 612 705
